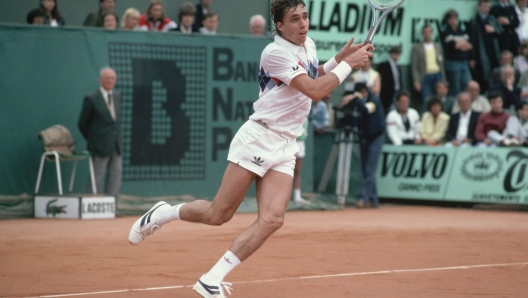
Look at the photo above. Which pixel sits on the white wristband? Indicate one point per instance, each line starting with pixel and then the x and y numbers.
pixel 330 65
pixel 342 70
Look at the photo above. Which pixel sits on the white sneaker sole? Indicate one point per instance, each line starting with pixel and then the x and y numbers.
pixel 198 288
pixel 134 237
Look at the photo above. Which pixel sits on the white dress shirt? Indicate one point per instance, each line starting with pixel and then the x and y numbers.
pixel 463 125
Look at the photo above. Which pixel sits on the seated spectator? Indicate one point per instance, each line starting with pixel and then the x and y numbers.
pixel 523 85
pixel 491 125
pixel 511 93
pixel 35 17
pixel 366 75
pixel 461 130
pixel 403 122
pixel 130 20
pixel 442 91
pixel 320 115
pixel 201 10
pixel 520 63
pixel 210 23
pixel 522 115
pixel 95 18
pixel 186 14
pixel 457 48
pixel 257 25
pixel 110 21
pixel 478 102
pixel 514 133
pixel 52 16
pixel 506 60
pixel 154 18
pixel 434 123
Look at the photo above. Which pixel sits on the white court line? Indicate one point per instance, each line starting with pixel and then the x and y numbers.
pixel 297 278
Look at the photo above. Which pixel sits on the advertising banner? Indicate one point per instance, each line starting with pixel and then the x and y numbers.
pixel 414 172
pixel 334 22
pixel 98 207
pixel 490 176
pixel 56 207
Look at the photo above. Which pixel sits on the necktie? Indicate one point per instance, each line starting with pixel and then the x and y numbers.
pixel 111 106
pixel 406 123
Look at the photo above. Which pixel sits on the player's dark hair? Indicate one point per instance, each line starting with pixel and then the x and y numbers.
pixel 279 9
pixel 435 100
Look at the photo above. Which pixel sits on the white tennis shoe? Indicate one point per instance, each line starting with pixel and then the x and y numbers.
pixel 212 289
pixel 146 224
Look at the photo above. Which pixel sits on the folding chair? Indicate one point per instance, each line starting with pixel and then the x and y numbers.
pixel 57 146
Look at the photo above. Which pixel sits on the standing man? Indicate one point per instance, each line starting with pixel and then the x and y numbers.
pixel 371 125
pixel 390 78
pixel 202 9
pixel 484 31
pixel 263 150
pixel 95 18
pixel 507 17
pixel 100 124
pixel 427 64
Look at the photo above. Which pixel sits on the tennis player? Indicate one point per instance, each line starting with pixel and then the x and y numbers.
pixel 264 147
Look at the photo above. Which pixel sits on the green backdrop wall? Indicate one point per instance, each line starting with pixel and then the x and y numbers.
pixel 184 97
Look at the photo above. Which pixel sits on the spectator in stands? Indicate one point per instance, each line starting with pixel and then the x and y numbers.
pixel 100 124
pixel 506 60
pixel 110 21
pixel 390 77
pixel 522 15
pixel 320 115
pixel 434 123
pixel 514 133
pixel 210 23
pixel 403 122
pixel 95 18
pixel 505 13
pixel 457 47
pixel 491 125
pixel 257 25
pixel 461 131
pixel 442 92
pixel 130 20
pixel 154 18
pixel 427 64
pixel 186 14
pixel 511 93
pixel 478 102
pixel 367 75
pixel 484 31
pixel 201 10
pixel 52 16
pixel 371 125
pixel 520 62
pixel 523 85
pixel 35 17
pixel 522 115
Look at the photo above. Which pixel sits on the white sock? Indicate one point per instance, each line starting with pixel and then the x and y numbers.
pixel 169 214
pixel 226 263
pixel 296 194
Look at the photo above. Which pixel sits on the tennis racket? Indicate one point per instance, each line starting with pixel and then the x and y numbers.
pixel 386 6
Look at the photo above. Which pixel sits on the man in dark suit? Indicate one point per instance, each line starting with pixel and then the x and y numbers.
pixel 390 78
pixel 461 131
pixel 100 125
pixel 508 19
pixel 95 18
pixel 201 10
pixel 511 93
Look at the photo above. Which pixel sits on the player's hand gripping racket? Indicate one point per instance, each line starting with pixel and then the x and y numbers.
pixel 386 6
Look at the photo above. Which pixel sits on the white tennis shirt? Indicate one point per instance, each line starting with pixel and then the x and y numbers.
pixel 281 107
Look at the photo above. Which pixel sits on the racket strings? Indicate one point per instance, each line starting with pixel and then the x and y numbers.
pixel 384 4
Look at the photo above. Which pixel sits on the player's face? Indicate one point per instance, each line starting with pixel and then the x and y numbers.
pixel 294 26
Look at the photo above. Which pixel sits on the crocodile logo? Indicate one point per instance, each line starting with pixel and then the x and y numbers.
pixel 54 209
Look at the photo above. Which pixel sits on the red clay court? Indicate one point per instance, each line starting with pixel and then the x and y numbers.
pixel 393 251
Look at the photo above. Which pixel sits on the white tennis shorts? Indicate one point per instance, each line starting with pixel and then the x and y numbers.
pixel 302 150
pixel 259 149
